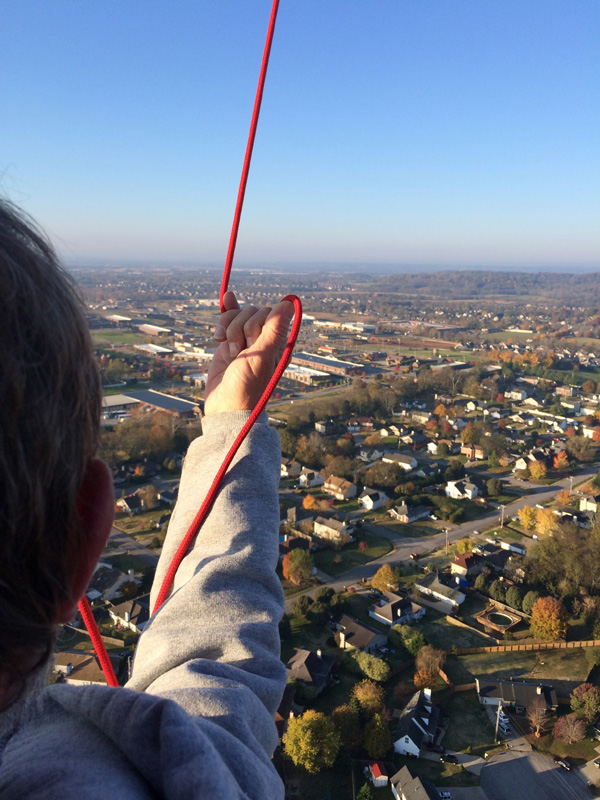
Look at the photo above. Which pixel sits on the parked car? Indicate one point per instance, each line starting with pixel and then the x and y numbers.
pixel 449 759
pixel 414 556
pixel 562 762
pixel 596 763
pixel 435 748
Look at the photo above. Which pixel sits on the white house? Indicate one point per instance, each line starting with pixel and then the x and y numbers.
pixel 80 669
pixel 431 585
pixel 417 724
pixel 394 609
pixel 339 488
pixel 290 468
pixel 332 529
pixel 378 772
pixel 372 499
pixel 407 462
pixel 309 478
pixel 461 490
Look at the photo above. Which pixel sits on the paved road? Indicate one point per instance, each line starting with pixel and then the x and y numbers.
pixel 404 546
pixel 516 775
pixel 121 543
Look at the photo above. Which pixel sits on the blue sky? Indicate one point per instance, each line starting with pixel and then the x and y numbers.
pixel 420 132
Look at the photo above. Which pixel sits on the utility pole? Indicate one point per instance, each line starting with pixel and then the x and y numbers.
pixel 502 518
pixel 446 529
pixel 498 720
pixel 571 483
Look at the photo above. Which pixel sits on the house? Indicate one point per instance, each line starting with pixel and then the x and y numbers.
pixel 313 669
pixel 297 514
pixel 132 614
pixel 290 468
pixel 369 454
pixel 107 581
pixel 332 529
pixel 590 503
pixel 518 695
pixel 131 504
pixel 81 669
pixel 394 609
pixel 408 514
pixel 354 635
pixel 433 447
pixel 461 490
pixel 515 394
pixel 415 439
pixel 371 499
pixel 339 488
pixel 378 773
pixel 417 724
pixel 392 430
pixel 432 586
pixel 422 417
pixel 309 478
pixel 325 427
pixel 293 543
pixel 474 452
pixel 284 712
pixel 407 462
pixel 406 786
pixel 466 564
pixel 357 424
pixel 168 496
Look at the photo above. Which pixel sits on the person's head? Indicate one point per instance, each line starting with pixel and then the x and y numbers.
pixel 55 498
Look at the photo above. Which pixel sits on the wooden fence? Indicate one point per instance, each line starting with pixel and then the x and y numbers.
pixel 509 648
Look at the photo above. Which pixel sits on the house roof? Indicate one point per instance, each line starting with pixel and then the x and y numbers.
pixel 395 603
pixel 418 721
pixel 138 609
pixel 466 560
pixel 104 578
pixel 413 787
pixel 339 484
pixel 164 401
pixel 334 524
pixel 518 692
pixel 433 583
pixel 378 769
pixel 85 667
pixel 304 665
pixel 357 634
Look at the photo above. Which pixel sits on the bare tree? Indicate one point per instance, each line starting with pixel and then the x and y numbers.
pixel 536 714
pixel 430 659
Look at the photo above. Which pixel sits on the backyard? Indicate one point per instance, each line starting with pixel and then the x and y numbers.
pixel 468 724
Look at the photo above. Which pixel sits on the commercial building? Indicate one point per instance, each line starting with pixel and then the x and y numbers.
pixel 334 366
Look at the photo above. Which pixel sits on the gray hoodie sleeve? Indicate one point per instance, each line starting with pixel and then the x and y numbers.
pixel 213 647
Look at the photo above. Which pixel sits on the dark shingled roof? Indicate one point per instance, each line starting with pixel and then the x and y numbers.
pixel 518 692
pixel 418 720
pixel 413 787
pixel 304 665
pixel 357 633
pixel 103 578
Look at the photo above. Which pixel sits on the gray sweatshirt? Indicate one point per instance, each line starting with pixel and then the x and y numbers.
pixel 196 720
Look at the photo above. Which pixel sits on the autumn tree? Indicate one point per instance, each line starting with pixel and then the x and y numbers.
pixel 347 723
pixel 561 461
pixel 430 659
pixel 309 502
pixel 377 738
pixel 465 545
pixel 537 715
pixel 564 497
pixel 369 696
pixel 529 601
pixel 440 410
pixel 537 470
pixel 297 566
pixel 547 522
pixel 424 679
pixel 384 579
pixel 148 495
pixel 569 729
pixel 585 701
pixel 528 517
pixel 548 619
pixel 596 434
pixel 312 741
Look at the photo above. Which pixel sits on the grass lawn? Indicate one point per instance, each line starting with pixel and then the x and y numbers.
pixel 468 724
pixel 336 562
pixel 441 633
pixel 125 563
pixel 305 636
pixel 578 752
pixel 140 523
pixel 567 665
pixel 438 773
pixel 402 529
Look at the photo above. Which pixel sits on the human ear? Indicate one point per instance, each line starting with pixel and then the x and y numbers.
pixel 95 508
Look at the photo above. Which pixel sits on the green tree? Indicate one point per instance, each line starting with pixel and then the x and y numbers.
pixel 371 667
pixel 297 566
pixel 364 793
pixel 529 601
pixel 497 591
pixel 301 605
pixel 494 487
pixel 317 613
pixel 312 741
pixel 513 598
pixel 324 594
pixel 549 619
pixel 377 738
pixel 481 582
pixel 347 722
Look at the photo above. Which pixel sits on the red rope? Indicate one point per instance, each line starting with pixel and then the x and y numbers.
pixel 283 362
pixel 247 158
pixel 90 624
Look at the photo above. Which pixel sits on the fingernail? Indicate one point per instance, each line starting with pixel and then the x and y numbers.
pixel 249 341
pixel 220 333
pixel 234 349
pixel 288 309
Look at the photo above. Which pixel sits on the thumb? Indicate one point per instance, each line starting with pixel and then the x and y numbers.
pixel 275 330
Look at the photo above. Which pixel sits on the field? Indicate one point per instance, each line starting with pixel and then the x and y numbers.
pixel 111 337
pixel 336 562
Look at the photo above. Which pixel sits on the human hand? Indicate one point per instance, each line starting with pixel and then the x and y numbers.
pixel 252 341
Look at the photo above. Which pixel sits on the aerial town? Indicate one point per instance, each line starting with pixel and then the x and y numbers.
pixel 439 542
